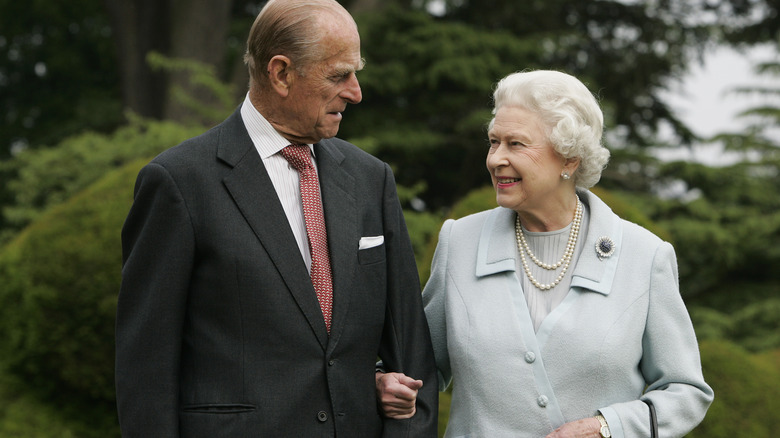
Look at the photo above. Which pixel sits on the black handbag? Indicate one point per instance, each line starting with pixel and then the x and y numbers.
pixel 653 419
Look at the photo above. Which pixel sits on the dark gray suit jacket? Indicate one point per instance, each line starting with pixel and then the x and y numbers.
pixel 219 331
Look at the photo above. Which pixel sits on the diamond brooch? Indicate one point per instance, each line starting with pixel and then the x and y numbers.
pixel 605 247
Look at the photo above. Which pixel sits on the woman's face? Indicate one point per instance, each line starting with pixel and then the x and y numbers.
pixel 524 167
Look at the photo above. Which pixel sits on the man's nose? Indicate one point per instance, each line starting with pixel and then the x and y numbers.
pixel 352 92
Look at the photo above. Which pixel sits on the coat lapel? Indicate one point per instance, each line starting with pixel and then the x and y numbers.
pixel 594 273
pixel 254 194
pixel 340 208
pixel 497 250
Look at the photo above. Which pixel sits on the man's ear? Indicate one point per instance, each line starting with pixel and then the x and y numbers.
pixel 280 74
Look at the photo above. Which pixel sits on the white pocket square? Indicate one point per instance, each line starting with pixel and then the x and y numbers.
pixel 371 241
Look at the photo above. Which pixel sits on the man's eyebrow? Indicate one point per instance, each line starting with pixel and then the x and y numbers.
pixel 346 69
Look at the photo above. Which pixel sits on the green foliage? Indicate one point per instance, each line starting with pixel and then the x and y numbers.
pixel 726 221
pixel 730 230
pixel 477 200
pixel 423 228
pixel 746 392
pixel 755 326
pixel 25 415
pixel 757 137
pixel 642 43
pixel 421 225
pixel 46 177
pixel 625 206
pixel 202 78
pixel 58 303
pixel 426 96
pixel 57 72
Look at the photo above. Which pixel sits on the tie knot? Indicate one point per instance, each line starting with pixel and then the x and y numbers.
pixel 298 155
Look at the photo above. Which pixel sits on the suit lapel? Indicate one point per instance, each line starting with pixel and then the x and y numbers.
pixel 340 210
pixel 254 194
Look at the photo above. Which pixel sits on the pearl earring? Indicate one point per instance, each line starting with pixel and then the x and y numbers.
pixel 565 175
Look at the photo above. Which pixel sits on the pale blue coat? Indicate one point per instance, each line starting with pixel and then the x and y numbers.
pixel 622 327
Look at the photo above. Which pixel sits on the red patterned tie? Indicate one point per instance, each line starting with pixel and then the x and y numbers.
pixel 299 156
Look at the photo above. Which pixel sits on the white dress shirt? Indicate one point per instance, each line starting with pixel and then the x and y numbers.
pixel 284 177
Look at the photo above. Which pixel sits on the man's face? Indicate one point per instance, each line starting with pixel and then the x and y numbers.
pixel 317 98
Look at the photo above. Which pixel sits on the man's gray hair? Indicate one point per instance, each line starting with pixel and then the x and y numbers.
pixel 292 28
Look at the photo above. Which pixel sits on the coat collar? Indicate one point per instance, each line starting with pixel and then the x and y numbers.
pixel 497 249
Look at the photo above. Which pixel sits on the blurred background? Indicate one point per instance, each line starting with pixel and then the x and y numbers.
pixel 92 90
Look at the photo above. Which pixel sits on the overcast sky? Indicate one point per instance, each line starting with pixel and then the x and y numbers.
pixel 704 102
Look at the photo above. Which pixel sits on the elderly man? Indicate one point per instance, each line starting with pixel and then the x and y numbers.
pixel 267 264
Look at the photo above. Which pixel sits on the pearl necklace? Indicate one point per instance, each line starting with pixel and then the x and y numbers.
pixel 522 245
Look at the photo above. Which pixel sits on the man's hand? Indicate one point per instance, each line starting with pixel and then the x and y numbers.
pixel 397 394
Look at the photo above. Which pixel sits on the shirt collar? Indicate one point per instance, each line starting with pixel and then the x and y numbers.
pixel 266 139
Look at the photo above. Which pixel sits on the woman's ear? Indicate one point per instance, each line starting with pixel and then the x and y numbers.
pixel 570 165
pixel 280 74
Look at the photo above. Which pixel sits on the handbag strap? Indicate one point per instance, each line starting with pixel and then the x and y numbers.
pixel 653 419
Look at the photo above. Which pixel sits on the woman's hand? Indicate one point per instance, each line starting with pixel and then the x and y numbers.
pixel 397 394
pixel 585 428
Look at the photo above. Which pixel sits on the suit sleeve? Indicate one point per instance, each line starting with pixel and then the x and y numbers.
pixel 158 247
pixel 670 362
pixel 406 344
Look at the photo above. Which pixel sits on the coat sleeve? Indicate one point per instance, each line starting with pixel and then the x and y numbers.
pixel 670 363
pixel 406 345
pixel 435 308
pixel 157 246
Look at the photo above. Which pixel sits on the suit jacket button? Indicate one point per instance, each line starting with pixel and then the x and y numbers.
pixel 322 416
pixel 331 362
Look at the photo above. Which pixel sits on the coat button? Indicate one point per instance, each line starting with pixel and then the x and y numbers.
pixel 542 401
pixel 322 416
pixel 331 362
pixel 530 357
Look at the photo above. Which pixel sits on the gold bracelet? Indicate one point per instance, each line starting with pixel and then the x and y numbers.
pixel 604 431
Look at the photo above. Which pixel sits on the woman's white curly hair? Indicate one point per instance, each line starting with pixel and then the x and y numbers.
pixel 570 113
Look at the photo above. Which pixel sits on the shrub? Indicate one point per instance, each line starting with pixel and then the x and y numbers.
pixel 43 178
pixel 746 392
pixel 61 277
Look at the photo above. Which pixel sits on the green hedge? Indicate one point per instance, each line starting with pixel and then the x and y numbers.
pixel 747 392
pixel 57 307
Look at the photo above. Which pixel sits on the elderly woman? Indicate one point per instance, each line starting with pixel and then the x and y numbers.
pixel 553 316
